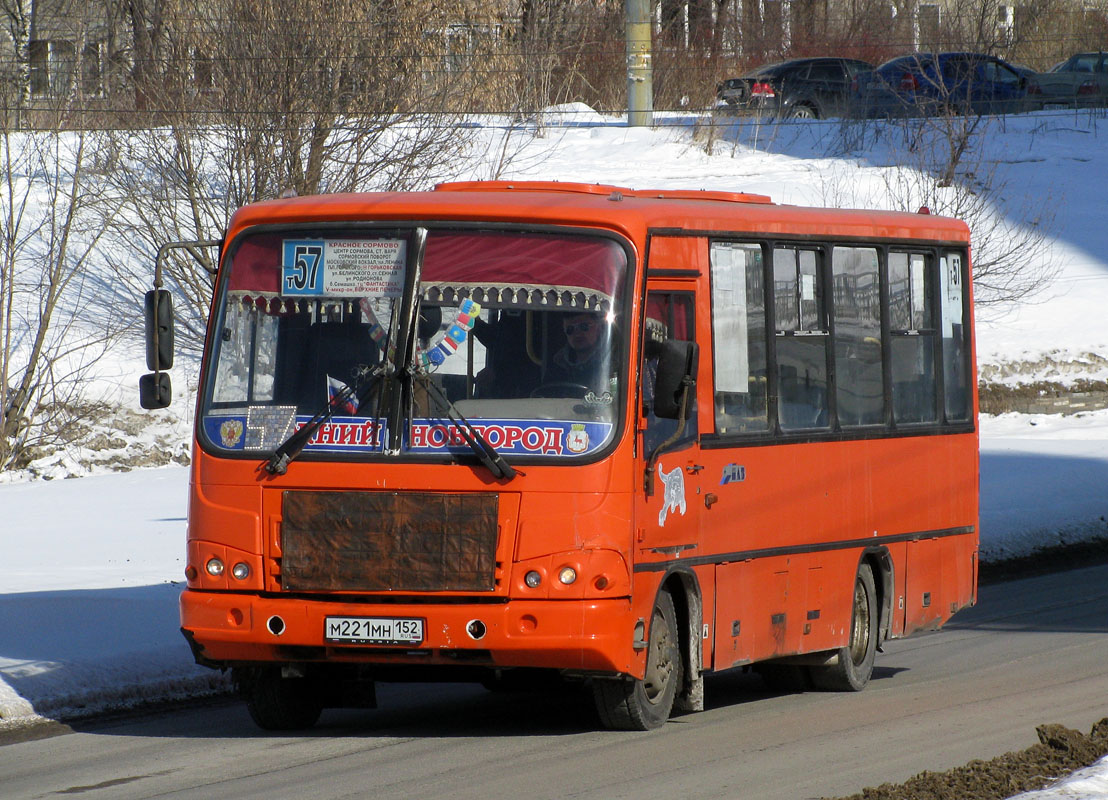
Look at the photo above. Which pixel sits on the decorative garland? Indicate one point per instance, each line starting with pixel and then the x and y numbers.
pixel 468 313
pixel 455 336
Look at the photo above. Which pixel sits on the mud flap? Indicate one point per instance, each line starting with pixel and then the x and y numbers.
pixel 690 697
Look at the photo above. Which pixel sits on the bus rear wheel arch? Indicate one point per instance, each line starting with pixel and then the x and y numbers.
pixel 852 669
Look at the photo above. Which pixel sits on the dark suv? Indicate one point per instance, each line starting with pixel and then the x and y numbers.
pixel 810 88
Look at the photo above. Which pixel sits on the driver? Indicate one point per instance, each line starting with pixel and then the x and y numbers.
pixel 582 360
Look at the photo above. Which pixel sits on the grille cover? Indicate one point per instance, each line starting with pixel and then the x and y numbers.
pixel 388 541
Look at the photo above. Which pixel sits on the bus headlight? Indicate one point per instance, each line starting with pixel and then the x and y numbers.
pixel 241 571
pixel 567 575
pixel 214 567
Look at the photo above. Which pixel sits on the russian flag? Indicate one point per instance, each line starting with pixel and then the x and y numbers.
pixel 335 387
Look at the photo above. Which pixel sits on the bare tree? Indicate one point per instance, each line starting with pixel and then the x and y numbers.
pixel 1011 234
pixel 267 96
pixel 17 27
pixel 335 95
pixel 940 163
pixel 54 324
pixel 54 321
pixel 568 52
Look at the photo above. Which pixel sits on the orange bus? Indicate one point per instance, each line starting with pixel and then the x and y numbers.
pixel 504 430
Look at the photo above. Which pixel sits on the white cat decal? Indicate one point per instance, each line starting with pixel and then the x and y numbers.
pixel 674 499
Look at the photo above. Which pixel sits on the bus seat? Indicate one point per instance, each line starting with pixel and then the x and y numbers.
pixel 509 371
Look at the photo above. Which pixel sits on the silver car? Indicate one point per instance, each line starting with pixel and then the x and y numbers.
pixel 1078 82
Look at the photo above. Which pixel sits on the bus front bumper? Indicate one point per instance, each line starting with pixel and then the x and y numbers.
pixel 228 629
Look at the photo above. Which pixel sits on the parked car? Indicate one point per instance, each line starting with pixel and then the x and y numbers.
pixel 811 88
pixel 931 84
pixel 1079 81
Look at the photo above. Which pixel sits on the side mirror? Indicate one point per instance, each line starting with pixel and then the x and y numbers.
pixel 159 329
pixel 677 365
pixel 155 391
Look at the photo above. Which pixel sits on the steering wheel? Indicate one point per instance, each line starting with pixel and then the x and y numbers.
pixel 561 389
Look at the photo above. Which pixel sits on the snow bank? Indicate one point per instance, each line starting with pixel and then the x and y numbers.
pixel 88 595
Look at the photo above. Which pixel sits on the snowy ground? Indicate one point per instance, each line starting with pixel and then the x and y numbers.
pixel 89 568
pixel 92 566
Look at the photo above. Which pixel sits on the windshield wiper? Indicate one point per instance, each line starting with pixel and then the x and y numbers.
pixel 365 379
pixel 484 451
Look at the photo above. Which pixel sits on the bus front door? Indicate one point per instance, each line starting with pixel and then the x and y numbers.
pixel 668 518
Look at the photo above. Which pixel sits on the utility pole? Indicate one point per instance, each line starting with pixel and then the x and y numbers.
pixel 640 72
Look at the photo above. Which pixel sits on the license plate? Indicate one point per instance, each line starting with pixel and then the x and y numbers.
pixel 373 630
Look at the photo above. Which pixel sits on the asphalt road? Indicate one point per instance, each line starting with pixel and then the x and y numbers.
pixel 1032 651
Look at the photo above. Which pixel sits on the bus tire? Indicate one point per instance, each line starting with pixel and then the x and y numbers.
pixel 852 671
pixel 282 704
pixel 642 705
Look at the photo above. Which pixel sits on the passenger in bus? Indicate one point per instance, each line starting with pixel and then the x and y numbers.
pixel 581 361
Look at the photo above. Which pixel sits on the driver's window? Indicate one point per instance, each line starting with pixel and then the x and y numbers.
pixel 998 73
pixel 669 315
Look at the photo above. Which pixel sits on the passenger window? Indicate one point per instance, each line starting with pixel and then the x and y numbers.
pixel 859 377
pixel 956 372
pixel 801 339
pixel 739 338
pixel 1005 75
pixel 826 72
pixel 912 332
pixel 669 315
pixel 958 70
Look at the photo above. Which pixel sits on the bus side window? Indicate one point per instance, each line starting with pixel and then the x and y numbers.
pixel 801 339
pixel 859 386
pixel 739 338
pixel 912 328
pixel 956 351
pixel 669 315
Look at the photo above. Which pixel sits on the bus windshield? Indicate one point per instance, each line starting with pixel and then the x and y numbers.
pixel 519 333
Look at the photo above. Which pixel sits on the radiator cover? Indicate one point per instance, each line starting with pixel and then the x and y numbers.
pixel 388 541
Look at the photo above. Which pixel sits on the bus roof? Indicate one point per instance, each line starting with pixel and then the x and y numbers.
pixel 631 211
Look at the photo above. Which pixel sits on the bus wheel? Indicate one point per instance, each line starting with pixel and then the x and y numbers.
pixel 281 704
pixel 855 663
pixel 642 705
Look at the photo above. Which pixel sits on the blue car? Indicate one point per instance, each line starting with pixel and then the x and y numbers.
pixel 934 84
